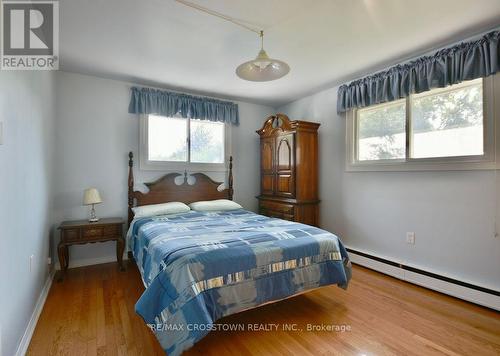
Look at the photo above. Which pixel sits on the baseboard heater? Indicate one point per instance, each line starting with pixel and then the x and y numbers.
pixel 472 293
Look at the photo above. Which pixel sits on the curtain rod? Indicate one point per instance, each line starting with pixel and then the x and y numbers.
pixel 428 51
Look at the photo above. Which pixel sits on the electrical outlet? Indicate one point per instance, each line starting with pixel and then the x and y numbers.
pixel 410 238
pixel 49 260
pixel 32 260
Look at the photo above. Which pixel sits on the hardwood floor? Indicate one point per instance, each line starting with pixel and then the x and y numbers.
pixel 92 313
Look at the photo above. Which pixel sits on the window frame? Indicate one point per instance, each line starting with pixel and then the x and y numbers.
pixel 175 166
pixel 477 162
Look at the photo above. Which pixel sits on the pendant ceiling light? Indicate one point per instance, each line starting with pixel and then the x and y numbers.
pixel 260 69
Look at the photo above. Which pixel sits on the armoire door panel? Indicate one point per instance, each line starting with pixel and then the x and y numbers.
pixel 267 184
pixel 285 152
pixel 267 155
pixel 285 185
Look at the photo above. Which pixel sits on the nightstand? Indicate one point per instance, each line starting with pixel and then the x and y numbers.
pixel 82 232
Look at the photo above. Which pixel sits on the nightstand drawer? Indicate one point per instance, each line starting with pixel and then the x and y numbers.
pixel 93 232
pixel 71 234
pixel 112 230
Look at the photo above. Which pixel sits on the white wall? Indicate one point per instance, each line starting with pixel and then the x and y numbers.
pixel 93 137
pixel 27 113
pixel 452 213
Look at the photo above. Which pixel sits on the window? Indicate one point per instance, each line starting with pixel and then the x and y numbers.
pixel 448 122
pixel 167 139
pixel 445 125
pixel 381 132
pixel 178 143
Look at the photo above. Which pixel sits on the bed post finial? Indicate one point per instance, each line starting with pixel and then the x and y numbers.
pixel 230 178
pixel 130 186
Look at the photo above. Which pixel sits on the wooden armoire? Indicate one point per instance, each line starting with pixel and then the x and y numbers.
pixel 289 170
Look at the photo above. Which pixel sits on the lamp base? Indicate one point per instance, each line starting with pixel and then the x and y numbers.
pixel 93 217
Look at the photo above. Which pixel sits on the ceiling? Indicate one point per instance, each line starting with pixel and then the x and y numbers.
pixel 326 42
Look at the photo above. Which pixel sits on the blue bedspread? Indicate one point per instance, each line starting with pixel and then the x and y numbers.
pixel 198 267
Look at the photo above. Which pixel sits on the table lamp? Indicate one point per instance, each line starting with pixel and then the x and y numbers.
pixel 91 196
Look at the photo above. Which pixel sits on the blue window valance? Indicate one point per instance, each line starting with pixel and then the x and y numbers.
pixel 165 103
pixel 465 61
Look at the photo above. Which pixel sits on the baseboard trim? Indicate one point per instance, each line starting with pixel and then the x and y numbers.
pixel 90 261
pixel 28 333
pixel 472 293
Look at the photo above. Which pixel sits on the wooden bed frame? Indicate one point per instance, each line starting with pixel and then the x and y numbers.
pixel 165 189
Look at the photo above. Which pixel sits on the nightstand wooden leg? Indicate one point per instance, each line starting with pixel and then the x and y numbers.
pixel 62 260
pixel 66 257
pixel 120 246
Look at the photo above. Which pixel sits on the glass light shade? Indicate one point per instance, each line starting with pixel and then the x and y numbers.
pixel 262 69
pixel 91 196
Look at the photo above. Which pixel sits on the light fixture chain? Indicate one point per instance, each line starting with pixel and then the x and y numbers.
pixel 219 15
pixel 262 68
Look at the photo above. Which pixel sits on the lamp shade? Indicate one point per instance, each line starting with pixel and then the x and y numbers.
pixel 91 196
pixel 262 68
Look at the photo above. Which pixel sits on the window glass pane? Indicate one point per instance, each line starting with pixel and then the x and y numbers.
pixel 448 122
pixel 207 141
pixel 381 132
pixel 167 139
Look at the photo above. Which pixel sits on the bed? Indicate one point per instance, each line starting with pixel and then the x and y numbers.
pixel 199 266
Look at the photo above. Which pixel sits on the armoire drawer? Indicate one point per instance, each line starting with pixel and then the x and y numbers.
pixel 277 206
pixel 276 214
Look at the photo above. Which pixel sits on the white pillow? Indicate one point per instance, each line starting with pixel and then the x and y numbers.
pixel 215 205
pixel 160 209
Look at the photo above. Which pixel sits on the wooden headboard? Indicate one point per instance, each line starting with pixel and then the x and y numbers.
pixel 165 189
